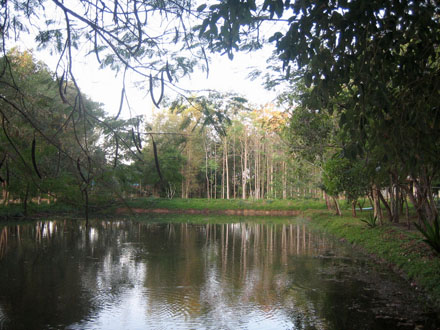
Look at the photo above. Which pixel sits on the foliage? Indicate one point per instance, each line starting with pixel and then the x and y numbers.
pixel 370 220
pixel 48 148
pixel 213 111
pixel 375 65
pixel 431 232
pixel 342 175
pixel 310 132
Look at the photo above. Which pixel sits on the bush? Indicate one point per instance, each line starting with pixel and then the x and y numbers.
pixel 370 220
pixel 431 232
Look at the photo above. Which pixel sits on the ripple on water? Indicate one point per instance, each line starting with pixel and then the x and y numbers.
pixel 3 319
pixel 176 303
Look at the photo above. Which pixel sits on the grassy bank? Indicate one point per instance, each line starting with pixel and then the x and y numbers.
pixel 226 204
pixel 15 211
pixel 400 248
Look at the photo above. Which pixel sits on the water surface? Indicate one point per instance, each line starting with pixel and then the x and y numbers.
pixel 138 275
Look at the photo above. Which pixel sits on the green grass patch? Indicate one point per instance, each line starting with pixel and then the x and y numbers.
pixel 209 219
pixel 402 249
pixel 225 204
pixel 108 208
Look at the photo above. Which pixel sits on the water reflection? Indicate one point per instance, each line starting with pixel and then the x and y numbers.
pixel 128 275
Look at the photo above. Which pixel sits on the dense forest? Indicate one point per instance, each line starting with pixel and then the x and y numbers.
pixel 359 112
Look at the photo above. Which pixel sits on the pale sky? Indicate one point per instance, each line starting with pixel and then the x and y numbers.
pixel 224 75
pixel 104 87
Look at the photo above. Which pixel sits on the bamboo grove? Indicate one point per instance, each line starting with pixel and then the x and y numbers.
pixel 244 158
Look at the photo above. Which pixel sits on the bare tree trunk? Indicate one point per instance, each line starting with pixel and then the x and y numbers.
pixel 327 201
pixel 338 209
pixel 256 169
pixel 263 171
pixel 385 203
pixel 284 179
pixel 268 172
pixel 227 168
pixel 223 173
pixel 244 169
pixel 271 177
pixel 377 210
pixel 188 170
pixel 206 170
pixel 234 174
pixel 215 171
pixel 394 198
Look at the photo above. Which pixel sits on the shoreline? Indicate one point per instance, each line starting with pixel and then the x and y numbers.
pixel 244 212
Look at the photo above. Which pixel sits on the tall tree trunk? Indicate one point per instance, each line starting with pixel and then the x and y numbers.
pixel 223 173
pixel 268 172
pixel 263 171
pixel 271 177
pixel 188 170
pixel 227 168
pixel 256 170
pixel 245 173
pixel 385 203
pixel 234 173
pixel 215 171
pixel 284 179
pixel 377 210
pixel 206 170
pixel 394 198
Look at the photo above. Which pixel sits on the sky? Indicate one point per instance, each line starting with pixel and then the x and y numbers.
pixel 101 85
pixel 224 75
pixel 104 86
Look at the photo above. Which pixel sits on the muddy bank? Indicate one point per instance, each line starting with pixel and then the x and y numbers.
pixel 207 211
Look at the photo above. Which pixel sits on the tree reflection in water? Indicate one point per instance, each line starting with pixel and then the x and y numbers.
pixel 125 274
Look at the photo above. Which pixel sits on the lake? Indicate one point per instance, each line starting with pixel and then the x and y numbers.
pixel 129 274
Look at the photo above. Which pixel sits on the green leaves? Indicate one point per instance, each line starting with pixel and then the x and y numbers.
pixel 431 232
pixel 370 220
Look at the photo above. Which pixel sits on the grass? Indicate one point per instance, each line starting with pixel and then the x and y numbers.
pixel 401 249
pixel 16 210
pixel 224 204
pixel 208 219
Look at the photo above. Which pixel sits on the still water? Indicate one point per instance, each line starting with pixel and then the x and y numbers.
pixel 139 275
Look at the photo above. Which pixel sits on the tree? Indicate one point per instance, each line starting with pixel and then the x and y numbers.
pixel 161 158
pixel 47 148
pixel 382 55
pixel 133 44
